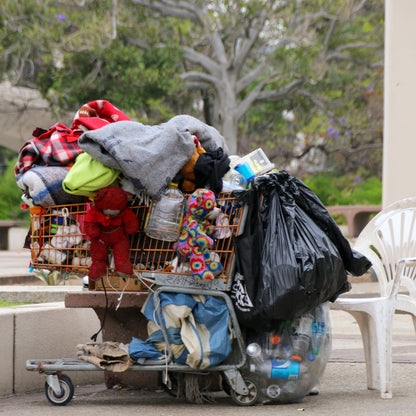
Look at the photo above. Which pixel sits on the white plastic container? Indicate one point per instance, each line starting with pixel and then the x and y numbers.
pixel 165 215
pixel 258 162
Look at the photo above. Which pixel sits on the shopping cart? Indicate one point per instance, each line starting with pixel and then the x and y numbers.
pixel 59 244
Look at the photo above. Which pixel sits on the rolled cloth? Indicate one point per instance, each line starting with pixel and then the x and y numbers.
pixel 43 185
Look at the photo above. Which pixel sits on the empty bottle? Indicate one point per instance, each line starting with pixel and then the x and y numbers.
pixel 233 180
pixel 254 351
pixel 273 369
pixel 165 215
pixel 301 338
pixel 318 330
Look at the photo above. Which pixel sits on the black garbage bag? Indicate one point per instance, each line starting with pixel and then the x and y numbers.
pixel 355 263
pixel 300 261
pixel 249 247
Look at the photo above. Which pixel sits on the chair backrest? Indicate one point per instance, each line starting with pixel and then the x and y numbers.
pixel 388 237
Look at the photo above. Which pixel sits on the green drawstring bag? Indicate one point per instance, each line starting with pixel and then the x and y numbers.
pixel 88 176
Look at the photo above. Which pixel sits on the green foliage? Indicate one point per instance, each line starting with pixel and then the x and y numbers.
pixel 75 53
pixel 351 189
pixel 10 196
pixel 128 77
pixel 348 123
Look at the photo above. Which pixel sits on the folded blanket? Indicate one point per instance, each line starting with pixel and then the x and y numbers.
pixel 43 185
pixel 149 156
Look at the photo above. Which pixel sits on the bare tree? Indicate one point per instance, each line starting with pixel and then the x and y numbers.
pixel 235 52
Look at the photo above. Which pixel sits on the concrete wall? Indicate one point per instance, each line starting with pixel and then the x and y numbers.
pixel 16 238
pixel 42 331
pixel 399 102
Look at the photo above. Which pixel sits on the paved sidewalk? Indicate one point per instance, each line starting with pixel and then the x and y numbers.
pixel 343 389
pixel 343 392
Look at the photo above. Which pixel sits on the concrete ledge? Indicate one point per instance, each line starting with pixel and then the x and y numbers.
pixel 6 348
pixel 357 216
pixel 6 236
pixel 36 294
pixel 42 331
pixel 16 238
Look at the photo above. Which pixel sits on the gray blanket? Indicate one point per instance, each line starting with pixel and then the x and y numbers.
pixel 209 136
pixel 149 156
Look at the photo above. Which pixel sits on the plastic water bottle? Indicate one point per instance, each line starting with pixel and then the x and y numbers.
pixel 301 339
pixel 165 215
pixel 318 330
pixel 233 180
pixel 254 351
pixel 273 369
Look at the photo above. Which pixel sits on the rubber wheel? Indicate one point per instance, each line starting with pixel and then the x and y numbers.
pixel 249 399
pixel 67 392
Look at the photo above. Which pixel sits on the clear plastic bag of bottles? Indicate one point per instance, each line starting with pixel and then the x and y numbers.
pixel 289 361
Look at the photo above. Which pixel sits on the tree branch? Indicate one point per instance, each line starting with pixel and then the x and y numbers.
pixel 198 58
pixel 359 6
pixel 254 31
pixel 315 100
pixel 336 53
pixel 269 96
pixel 251 77
pixel 189 11
pixel 258 95
pixel 200 77
pixel 169 8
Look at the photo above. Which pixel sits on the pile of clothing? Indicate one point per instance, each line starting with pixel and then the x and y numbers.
pixel 63 165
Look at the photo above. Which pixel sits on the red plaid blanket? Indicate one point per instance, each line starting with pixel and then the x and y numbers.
pixel 58 146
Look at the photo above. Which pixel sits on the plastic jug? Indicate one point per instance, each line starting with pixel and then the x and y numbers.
pixel 165 215
pixel 233 180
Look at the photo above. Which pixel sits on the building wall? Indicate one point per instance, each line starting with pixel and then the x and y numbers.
pixel 399 162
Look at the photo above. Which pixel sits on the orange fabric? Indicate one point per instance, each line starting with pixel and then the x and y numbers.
pixel 188 169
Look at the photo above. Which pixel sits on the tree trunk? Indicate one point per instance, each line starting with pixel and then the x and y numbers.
pixel 229 131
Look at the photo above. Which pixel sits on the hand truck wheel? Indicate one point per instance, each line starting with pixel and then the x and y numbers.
pixel 249 399
pixel 67 391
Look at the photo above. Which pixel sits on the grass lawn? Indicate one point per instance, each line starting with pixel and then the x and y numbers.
pixel 4 303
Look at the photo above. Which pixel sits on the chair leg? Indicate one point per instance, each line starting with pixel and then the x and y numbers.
pixel 368 336
pixel 384 346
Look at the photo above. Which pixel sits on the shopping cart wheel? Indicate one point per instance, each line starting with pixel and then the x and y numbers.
pixel 248 399
pixel 226 387
pixel 67 391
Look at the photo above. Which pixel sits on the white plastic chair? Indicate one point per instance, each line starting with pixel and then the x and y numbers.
pixel 389 242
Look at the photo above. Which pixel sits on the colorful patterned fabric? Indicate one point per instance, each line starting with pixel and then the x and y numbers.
pixel 197 235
